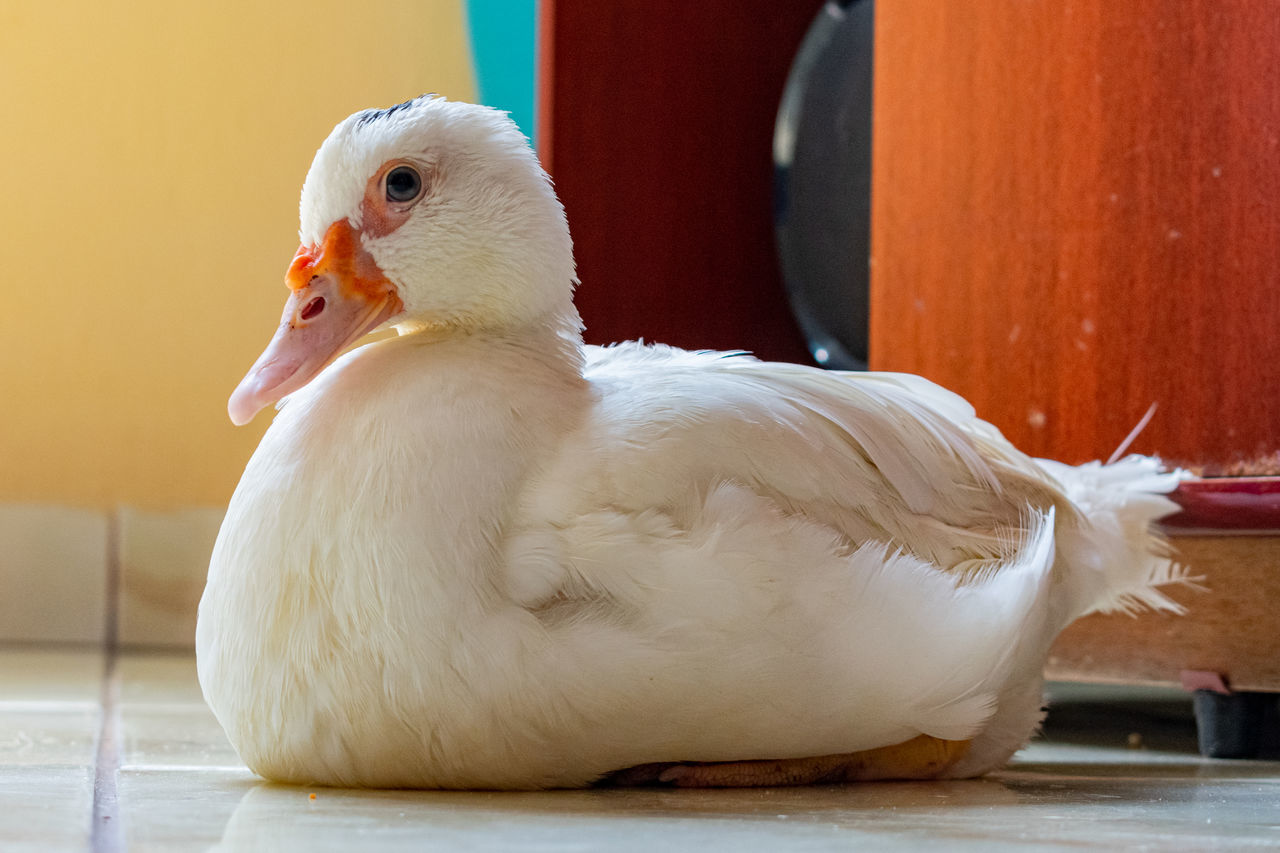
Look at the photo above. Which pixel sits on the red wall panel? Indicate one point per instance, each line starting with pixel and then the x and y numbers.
pixel 656 122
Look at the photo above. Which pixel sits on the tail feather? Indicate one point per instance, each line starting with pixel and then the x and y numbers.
pixel 1118 558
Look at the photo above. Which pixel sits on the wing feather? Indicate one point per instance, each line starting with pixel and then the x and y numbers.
pixel 877 456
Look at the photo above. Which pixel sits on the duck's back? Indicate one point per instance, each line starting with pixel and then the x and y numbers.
pixel 876 457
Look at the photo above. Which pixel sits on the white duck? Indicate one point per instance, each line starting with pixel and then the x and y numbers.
pixel 484 555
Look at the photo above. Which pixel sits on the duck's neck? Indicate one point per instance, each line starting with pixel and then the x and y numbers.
pixel 557 334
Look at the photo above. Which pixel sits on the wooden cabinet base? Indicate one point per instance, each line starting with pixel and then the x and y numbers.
pixel 1231 627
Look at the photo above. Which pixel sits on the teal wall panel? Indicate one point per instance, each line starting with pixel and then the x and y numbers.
pixel 503 48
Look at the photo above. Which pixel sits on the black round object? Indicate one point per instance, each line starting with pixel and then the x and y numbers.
pixel 822 183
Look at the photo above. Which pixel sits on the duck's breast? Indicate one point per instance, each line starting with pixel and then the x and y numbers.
pixel 360 549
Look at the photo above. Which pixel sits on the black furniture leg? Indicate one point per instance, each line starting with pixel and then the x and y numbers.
pixel 1231 725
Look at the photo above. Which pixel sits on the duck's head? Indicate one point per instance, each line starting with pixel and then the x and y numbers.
pixel 431 215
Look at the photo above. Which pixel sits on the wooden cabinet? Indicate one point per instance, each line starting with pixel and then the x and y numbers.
pixel 1076 214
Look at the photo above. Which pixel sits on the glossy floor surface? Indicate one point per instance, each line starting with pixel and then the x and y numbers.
pixel 134 761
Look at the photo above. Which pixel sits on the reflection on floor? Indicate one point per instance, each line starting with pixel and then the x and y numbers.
pixel 1116 770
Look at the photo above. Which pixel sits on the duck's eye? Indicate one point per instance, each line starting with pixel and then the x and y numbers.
pixel 403 184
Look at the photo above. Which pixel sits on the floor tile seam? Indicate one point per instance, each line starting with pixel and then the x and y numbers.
pixel 49 706
pixel 135 706
pixel 135 767
pixel 106 834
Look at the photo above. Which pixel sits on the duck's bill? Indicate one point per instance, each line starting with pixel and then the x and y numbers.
pixel 319 322
pixel 338 296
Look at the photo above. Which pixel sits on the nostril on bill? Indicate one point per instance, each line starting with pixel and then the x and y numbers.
pixel 312 308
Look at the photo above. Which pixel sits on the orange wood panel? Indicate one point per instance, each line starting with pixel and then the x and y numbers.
pixel 1076 214
pixel 656 122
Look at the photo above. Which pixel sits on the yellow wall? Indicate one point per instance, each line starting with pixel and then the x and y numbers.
pixel 151 155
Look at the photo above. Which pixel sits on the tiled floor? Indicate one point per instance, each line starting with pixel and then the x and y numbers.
pixel 166 779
